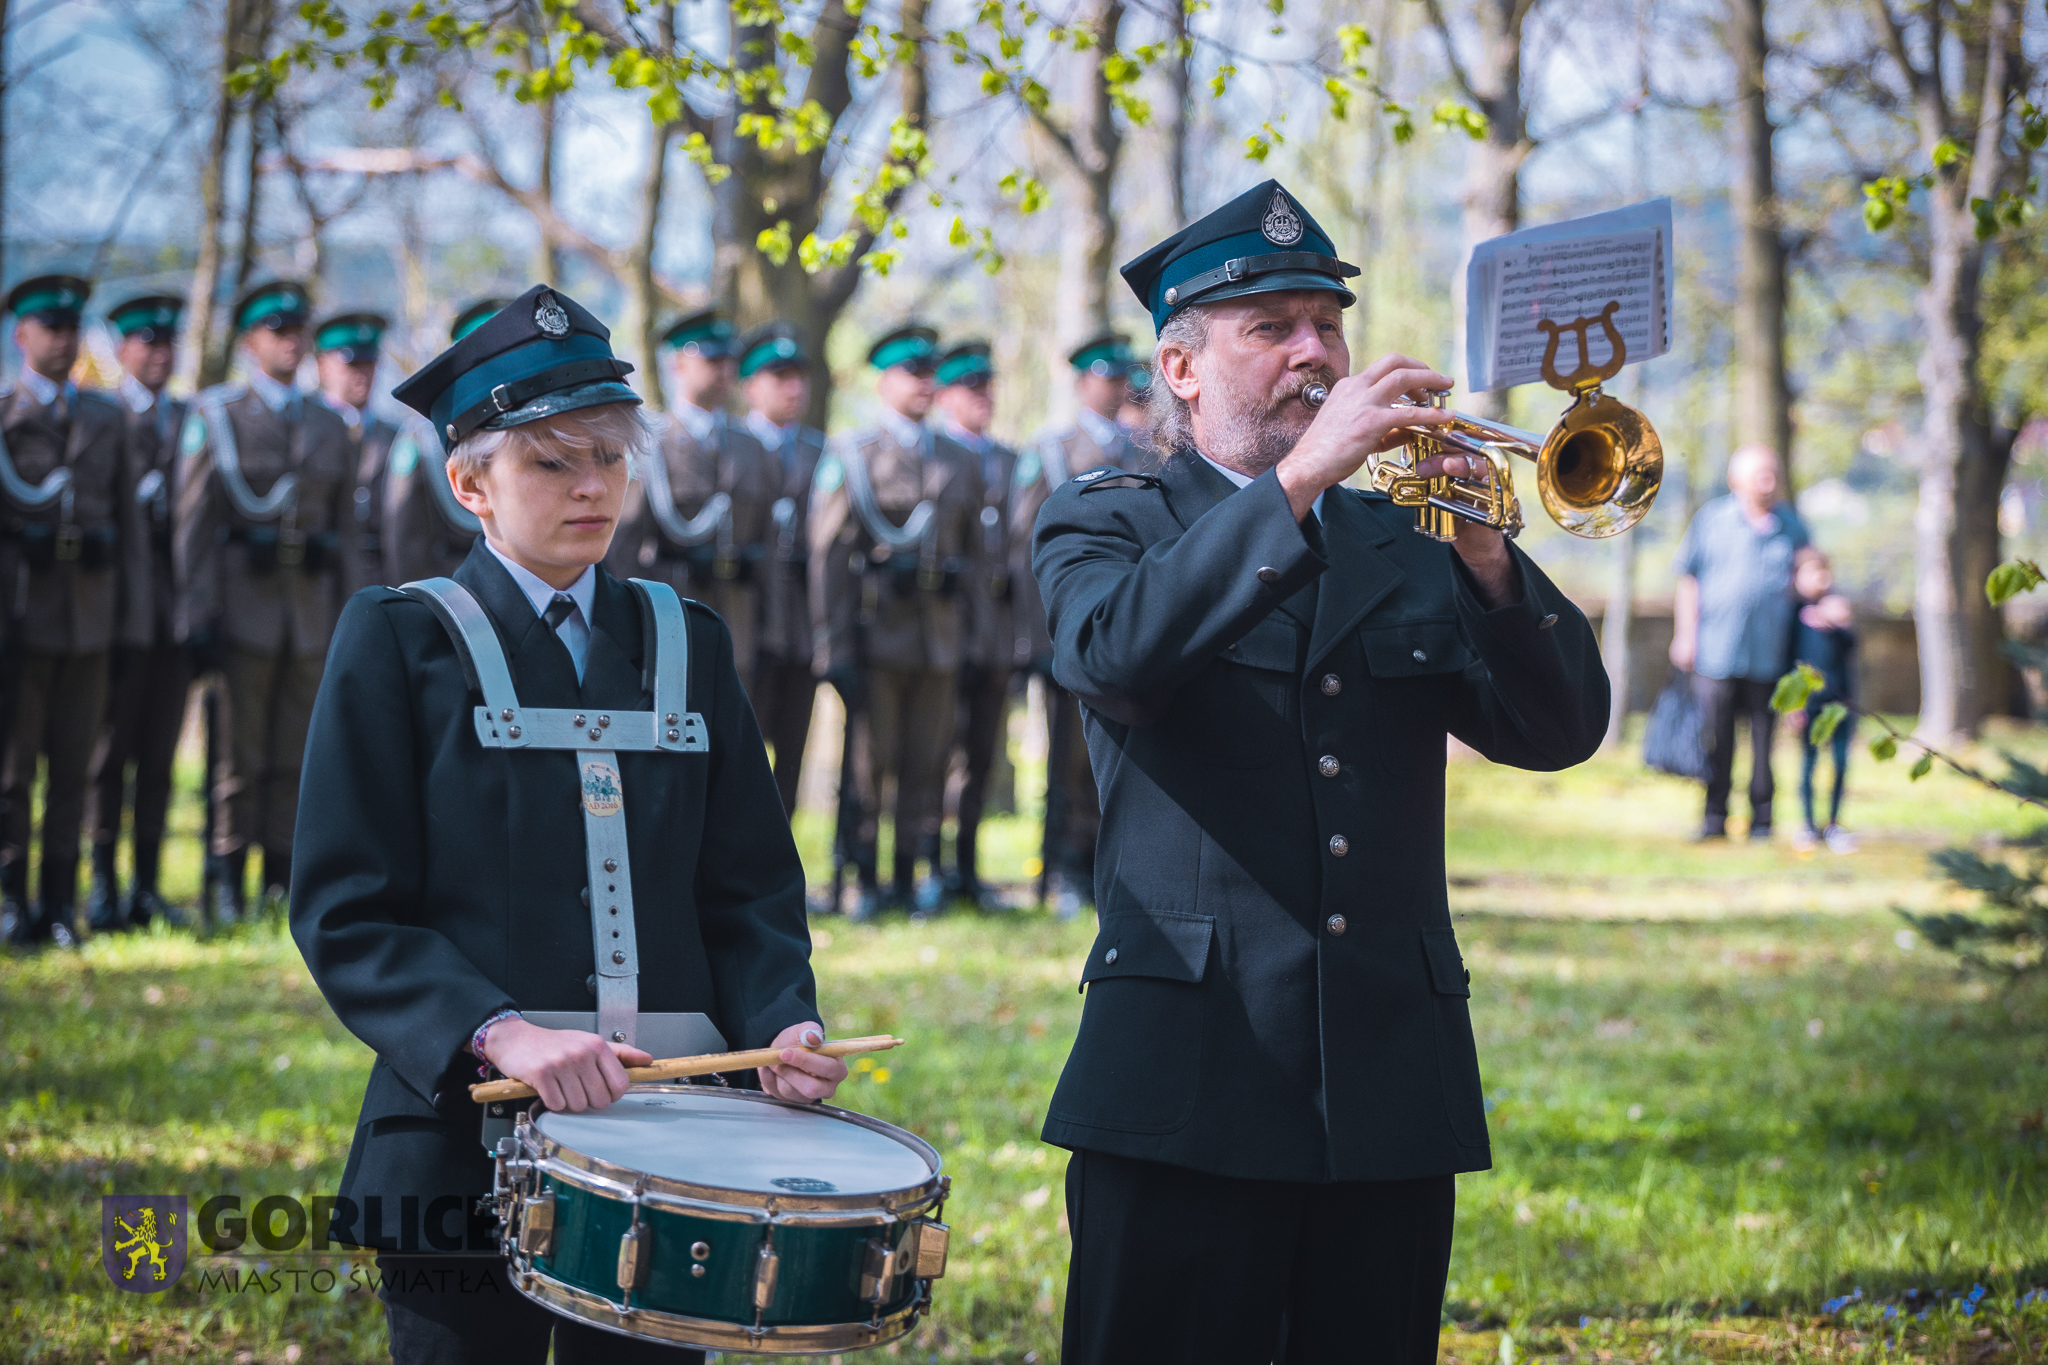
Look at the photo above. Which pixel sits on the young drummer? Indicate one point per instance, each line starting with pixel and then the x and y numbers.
pixel 442 886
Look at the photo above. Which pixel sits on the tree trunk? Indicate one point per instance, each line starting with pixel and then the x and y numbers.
pixel 1763 400
pixel 646 297
pixel 1492 198
pixel 1179 75
pixel 547 262
pixel 204 361
pixel 1962 468
pixel 1091 147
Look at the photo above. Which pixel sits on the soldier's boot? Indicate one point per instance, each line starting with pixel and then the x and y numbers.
pixel 103 906
pixel 229 904
pixel 17 921
pixel 930 894
pixel 903 878
pixel 965 881
pixel 867 895
pixel 144 902
pixel 277 881
pixel 60 899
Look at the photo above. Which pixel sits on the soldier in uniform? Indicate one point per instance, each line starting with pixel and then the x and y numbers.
pixel 897 602
pixel 345 350
pixel 1101 366
pixel 427 533
pixel 1276 1029
pixel 966 380
pixel 73 566
pixel 146 697
pixel 265 498
pixel 775 380
pixel 439 891
pixel 701 518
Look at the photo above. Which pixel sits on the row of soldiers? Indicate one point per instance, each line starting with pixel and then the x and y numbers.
pixel 149 542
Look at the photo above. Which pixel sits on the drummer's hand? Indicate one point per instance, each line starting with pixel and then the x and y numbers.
pixel 571 1069
pixel 802 1076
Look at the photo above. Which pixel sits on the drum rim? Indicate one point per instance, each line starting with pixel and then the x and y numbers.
pixel 712 1333
pixel 927 1191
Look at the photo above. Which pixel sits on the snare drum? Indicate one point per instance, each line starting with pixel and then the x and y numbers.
pixel 724 1219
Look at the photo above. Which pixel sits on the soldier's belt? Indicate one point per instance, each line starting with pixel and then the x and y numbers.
pixel 45 543
pixel 274 547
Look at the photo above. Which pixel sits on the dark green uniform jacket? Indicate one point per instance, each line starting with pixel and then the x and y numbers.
pixel 437 882
pixel 1265 769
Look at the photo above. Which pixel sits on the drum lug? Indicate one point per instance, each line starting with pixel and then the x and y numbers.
pixel 878 1273
pixel 923 1252
pixel 537 1225
pixel 765 1270
pixel 633 1257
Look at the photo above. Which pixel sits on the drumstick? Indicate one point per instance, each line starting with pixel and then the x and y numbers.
pixel 673 1068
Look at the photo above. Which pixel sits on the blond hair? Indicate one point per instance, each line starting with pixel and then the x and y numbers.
pixel 605 428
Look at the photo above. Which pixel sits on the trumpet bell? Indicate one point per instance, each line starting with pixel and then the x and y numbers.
pixel 1600 467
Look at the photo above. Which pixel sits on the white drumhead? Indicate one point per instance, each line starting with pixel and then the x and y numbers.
pixel 705 1137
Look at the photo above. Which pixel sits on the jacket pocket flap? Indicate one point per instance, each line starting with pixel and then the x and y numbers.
pixel 1162 943
pixel 1446 968
pixel 1414 647
pixel 1273 643
pixel 388 1096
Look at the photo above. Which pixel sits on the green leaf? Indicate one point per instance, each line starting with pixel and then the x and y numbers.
pixel 2010 579
pixel 1884 748
pixel 1878 215
pixel 1921 766
pixel 774 243
pixel 1947 152
pixel 1823 726
pixel 1795 687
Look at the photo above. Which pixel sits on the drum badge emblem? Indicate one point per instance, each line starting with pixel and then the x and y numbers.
pixel 1283 225
pixel 602 794
pixel 551 317
pixel 142 1240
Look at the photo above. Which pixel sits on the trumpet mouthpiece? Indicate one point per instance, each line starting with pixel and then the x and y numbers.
pixel 1315 395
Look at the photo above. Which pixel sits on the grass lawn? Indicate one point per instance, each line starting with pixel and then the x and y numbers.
pixel 1724 1092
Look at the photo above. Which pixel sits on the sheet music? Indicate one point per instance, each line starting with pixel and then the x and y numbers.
pixel 1560 272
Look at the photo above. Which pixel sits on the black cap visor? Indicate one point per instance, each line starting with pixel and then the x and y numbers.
pixel 1279 282
pixel 563 400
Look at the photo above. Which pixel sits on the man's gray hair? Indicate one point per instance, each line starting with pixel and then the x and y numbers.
pixel 1166 413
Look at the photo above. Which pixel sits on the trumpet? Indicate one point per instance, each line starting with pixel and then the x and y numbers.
pixel 1597 471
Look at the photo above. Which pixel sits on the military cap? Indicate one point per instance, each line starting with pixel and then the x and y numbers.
pixel 1108 355
pixel 149 317
pixel 704 333
pixel 911 344
pixel 52 299
pixel 473 317
pixel 1261 242
pixel 281 303
pixel 352 336
pixel 541 354
pixel 772 347
pixel 965 362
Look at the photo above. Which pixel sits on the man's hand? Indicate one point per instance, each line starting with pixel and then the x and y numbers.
pixel 572 1070
pixel 802 1076
pixel 1358 419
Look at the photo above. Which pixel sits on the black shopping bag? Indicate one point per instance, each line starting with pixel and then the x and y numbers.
pixel 1675 739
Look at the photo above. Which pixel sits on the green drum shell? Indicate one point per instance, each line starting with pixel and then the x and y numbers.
pixel 822 1242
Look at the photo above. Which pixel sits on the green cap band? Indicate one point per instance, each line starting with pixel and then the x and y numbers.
pixel 271 303
pixel 774 352
pixel 958 367
pixel 901 350
pixel 134 318
pixel 58 300
pixel 348 332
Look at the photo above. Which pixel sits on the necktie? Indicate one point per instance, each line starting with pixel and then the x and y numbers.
pixel 559 611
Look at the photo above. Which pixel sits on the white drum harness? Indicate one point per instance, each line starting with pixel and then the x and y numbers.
pixel 597 737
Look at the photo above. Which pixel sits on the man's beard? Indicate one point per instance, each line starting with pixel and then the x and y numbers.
pixel 1252 432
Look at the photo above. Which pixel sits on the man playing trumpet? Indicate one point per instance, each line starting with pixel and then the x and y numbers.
pixel 1275 1081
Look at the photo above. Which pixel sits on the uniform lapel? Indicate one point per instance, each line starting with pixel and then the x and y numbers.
pixel 542 671
pixel 612 674
pixel 1360 575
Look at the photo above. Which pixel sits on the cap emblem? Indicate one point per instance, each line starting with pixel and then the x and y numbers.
pixel 1282 225
pixel 553 319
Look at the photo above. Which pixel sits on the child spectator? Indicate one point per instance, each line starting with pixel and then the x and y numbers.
pixel 1823 635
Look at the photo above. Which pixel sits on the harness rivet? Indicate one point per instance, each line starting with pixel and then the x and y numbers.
pixel 594 732
pixel 671 718
pixel 580 721
pixel 604 720
pixel 505 714
pixel 611 864
pixel 674 735
pixel 514 732
pixel 618 958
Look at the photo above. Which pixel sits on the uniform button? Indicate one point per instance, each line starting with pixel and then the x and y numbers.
pixel 1332 684
pixel 1109 956
pixel 1328 765
pixel 1336 925
pixel 1420 657
pixel 1269 575
pixel 1339 845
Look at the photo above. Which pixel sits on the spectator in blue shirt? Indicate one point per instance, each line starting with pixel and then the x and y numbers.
pixel 1733 607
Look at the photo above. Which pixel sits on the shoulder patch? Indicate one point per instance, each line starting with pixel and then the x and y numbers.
pixel 194 439
pixel 830 475
pixel 1029 466
pixel 1112 477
